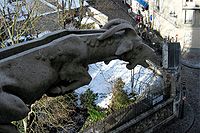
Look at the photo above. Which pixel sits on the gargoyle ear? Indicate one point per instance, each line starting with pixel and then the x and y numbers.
pixel 124 47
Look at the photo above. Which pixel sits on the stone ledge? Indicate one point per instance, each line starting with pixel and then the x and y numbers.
pixel 141 117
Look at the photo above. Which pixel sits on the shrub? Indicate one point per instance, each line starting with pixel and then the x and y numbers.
pixel 54 114
pixel 88 98
pixel 88 101
pixel 119 99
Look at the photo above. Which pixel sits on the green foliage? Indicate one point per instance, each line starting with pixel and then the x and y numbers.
pixel 95 114
pixel 88 98
pixel 119 99
pixel 88 101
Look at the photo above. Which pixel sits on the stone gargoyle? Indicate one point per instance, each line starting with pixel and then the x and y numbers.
pixel 60 66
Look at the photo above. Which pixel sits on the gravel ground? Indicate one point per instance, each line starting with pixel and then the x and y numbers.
pixel 192 79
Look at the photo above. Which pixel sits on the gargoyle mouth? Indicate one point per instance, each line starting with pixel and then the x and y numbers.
pixel 130 58
pixel 131 64
pixel 57 89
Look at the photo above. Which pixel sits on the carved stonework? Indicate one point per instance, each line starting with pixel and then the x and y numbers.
pixel 61 65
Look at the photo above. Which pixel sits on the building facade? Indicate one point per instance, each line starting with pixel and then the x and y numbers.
pixel 176 20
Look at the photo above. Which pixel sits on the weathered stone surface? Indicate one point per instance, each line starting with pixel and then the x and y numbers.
pixel 8 128
pixel 60 66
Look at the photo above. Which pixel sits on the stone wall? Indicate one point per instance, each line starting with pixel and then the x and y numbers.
pixel 153 120
pixel 136 118
pixel 116 119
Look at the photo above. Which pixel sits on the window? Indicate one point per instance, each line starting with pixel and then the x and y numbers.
pixel 189 3
pixel 157 4
pixel 189 16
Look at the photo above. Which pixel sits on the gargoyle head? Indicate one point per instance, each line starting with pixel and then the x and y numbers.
pixel 135 52
pixel 131 48
pixel 138 55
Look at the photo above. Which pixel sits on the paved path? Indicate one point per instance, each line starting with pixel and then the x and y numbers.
pixel 191 120
pixel 192 78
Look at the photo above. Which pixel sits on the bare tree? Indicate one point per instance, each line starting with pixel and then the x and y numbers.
pixel 17 19
pixel 69 12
